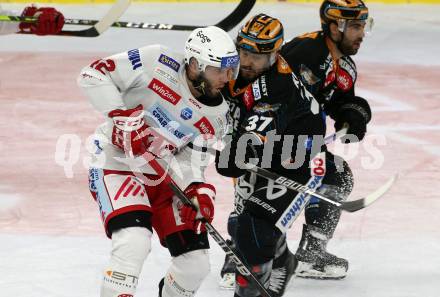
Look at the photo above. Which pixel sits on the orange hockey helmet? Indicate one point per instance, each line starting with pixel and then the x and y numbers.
pixel 261 34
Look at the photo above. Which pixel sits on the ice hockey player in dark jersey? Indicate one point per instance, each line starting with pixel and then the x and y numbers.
pixel 268 106
pixel 322 61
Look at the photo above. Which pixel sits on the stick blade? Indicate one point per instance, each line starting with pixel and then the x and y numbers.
pixel 109 18
pixel 355 205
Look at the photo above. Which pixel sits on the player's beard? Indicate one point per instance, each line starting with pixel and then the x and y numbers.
pixel 249 74
pixel 350 48
pixel 202 84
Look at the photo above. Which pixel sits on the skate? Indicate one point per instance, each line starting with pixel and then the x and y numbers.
pixel 228 272
pixel 283 269
pixel 313 259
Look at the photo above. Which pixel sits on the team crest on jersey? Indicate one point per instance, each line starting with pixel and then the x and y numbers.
pixel 186 113
pixel 205 127
pixel 169 62
pixel 164 91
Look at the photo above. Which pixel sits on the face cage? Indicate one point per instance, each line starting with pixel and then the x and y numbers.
pixel 369 23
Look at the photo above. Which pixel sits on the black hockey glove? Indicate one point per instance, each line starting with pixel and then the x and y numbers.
pixel 356 113
pixel 356 126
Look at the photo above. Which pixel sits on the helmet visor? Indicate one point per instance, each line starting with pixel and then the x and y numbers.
pixel 231 63
pixel 367 25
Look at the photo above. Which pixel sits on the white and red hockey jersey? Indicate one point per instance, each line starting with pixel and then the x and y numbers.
pixel 153 76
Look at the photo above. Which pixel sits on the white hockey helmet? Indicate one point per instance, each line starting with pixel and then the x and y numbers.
pixel 211 46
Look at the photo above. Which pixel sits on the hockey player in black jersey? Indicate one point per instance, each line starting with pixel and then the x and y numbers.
pixel 322 61
pixel 267 99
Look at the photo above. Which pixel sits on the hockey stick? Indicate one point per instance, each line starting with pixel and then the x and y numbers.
pixel 241 267
pixel 232 20
pixel 98 27
pixel 350 206
pixel 331 138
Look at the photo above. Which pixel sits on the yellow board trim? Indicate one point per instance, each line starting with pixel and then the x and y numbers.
pixel 211 1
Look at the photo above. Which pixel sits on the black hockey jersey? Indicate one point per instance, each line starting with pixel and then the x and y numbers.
pixel 331 79
pixel 278 109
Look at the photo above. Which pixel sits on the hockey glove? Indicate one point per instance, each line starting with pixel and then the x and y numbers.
pixel 130 132
pixel 356 120
pixel 49 20
pixel 202 196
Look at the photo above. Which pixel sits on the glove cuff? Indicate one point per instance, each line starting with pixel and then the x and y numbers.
pixel 357 108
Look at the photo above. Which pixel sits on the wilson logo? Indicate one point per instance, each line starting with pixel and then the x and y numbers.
pixel 164 91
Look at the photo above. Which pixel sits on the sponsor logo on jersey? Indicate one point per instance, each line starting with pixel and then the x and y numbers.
pixel 256 90
pixel 166 121
pixel 263 85
pixel 263 204
pixel 186 113
pixel 169 62
pixel 297 204
pixel 93 177
pixel 344 80
pixel 348 66
pixel 205 126
pixel 166 76
pixel 265 107
pixel 135 58
pixel 195 103
pixel 248 98
pixel 130 281
pixel 164 91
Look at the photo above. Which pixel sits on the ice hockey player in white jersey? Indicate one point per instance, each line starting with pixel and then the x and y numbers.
pixel 167 105
pixel 50 21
